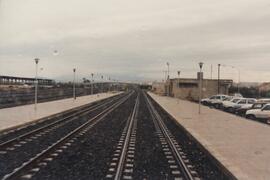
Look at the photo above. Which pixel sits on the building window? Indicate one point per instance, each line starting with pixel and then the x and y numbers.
pixel 187 85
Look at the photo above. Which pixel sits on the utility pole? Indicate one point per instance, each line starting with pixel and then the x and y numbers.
pixel 238 81
pixel 200 86
pixel 101 83
pixel 92 83
pixel 74 87
pixel 36 83
pixel 211 71
pixel 168 65
pixel 178 73
pixel 178 82
pixel 218 78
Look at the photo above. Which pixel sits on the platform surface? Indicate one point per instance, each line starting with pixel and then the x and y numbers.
pixel 10 117
pixel 241 145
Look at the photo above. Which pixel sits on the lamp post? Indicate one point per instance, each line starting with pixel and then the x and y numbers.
pixel 200 87
pixel 109 78
pixel 238 70
pixel 238 84
pixel 178 73
pixel 165 75
pixel 101 76
pixel 219 78
pixel 74 87
pixel 92 82
pixel 36 83
pixel 178 82
pixel 168 65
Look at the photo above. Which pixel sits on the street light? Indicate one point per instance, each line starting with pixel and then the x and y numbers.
pixel 109 78
pixel 178 73
pixel 200 87
pixel 178 82
pixel 168 64
pixel 238 70
pixel 92 83
pixel 74 88
pixel 36 83
pixel 101 83
pixel 219 78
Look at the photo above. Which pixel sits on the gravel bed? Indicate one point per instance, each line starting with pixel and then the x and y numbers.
pixel 150 161
pixel 89 156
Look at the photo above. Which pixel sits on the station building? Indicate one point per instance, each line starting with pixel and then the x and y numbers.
pixel 188 88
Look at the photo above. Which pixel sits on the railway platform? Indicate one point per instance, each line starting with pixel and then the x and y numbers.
pixel 240 145
pixel 19 115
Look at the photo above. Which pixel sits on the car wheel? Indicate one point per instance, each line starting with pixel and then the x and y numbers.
pixel 251 116
pixel 268 121
pixel 216 106
pixel 230 110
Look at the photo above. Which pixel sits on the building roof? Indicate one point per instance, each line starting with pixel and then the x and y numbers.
pixel 24 78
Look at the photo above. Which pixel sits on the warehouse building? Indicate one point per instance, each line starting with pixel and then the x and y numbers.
pixel 188 88
pixel 12 80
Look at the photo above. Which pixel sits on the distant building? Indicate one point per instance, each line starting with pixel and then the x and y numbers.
pixel 12 80
pixel 264 87
pixel 158 88
pixel 187 88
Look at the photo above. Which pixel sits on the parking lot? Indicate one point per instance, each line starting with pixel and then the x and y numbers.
pixel 250 108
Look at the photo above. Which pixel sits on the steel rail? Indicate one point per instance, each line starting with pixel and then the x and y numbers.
pixel 156 117
pixel 119 170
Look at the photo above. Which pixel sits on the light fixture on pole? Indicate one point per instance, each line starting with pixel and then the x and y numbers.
pixel 178 73
pixel 36 83
pixel 74 87
pixel 168 65
pixel 200 86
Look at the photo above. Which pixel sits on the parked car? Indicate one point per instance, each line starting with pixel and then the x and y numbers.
pixel 237 95
pixel 206 101
pixel 213 99
pixel 261 114
pixel 217 103
pixel 243 105
pixel 258 105
pixel 228 105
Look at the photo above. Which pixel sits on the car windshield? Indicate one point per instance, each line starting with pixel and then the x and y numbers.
pixel 235 100
pixel 258 106
pixel 227 98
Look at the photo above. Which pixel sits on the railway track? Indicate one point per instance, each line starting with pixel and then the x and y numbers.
pixel 46 154
pixel 180 166
pixel 18 131
pixel 121 165
pixel 53 125
pixel 131 137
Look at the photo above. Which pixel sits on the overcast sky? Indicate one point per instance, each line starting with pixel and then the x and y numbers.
pixel 133 40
